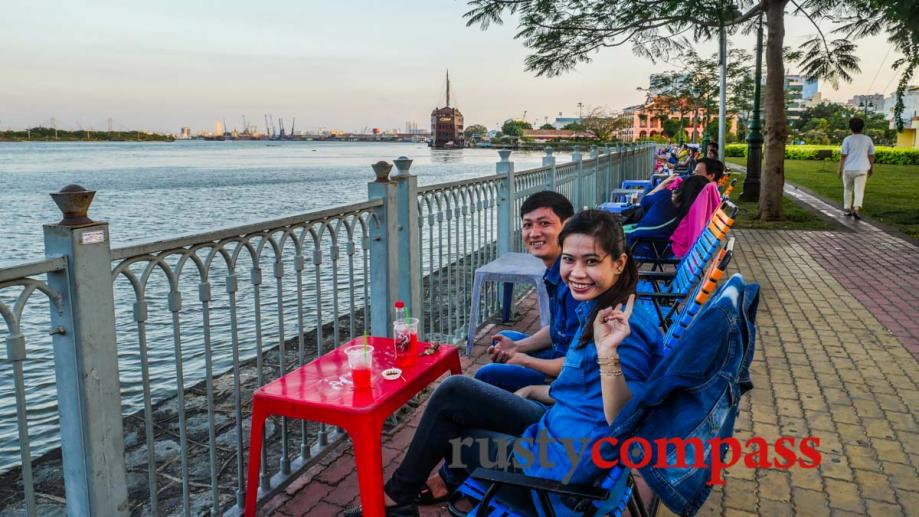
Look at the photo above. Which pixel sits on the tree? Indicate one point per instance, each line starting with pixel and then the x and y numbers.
pixel 670 127
pixel 574 126
pixel 515 127
pixel 565 33
pixel 475 132
pixel 603 123
pixel 547 126
pixel 828 123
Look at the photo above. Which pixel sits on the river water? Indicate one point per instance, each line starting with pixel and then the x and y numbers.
pixel 147 190
pixel 156 190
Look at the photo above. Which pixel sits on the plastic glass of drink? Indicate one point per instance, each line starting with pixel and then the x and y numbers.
pixel 406 340
pixel 360 360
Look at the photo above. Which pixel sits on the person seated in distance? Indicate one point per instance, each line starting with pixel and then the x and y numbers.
pixel 709 167
pixel 521 360
pixel 611 355
pixel 662 210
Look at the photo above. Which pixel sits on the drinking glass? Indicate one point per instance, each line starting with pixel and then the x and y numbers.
pixel 405 333
pixel 360 360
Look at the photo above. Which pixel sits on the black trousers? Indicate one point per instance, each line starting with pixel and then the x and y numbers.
pixel 462 410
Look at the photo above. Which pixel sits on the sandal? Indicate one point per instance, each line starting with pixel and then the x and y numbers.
pixel 461 505
pixel 426 497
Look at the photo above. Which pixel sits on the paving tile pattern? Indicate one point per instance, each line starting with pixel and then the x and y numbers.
pixel 835 360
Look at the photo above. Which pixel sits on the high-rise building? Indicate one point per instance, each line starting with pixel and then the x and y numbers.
pixel 185 133
pixel 810 89
pixel 794 96
pixel 874 102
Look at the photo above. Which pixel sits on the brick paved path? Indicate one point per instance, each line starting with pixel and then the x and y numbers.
pixel 827 365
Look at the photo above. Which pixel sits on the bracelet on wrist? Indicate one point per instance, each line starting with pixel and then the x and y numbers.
pixel 609 360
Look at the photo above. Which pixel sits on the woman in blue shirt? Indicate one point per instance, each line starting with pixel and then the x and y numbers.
pixel 614 350
pixel 662 210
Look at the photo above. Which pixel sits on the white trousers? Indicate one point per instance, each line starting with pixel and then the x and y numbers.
pixel 853 185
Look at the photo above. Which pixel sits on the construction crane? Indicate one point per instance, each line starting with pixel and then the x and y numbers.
pixel 292 122
pixel 267 126
pixel 524 118
pixel 281 128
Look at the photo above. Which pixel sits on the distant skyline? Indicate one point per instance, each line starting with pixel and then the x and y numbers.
pixel 348 65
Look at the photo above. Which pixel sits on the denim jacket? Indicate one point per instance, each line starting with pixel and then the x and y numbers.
pixel 694 392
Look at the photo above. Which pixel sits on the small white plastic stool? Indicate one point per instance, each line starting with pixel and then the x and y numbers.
pixel 513 268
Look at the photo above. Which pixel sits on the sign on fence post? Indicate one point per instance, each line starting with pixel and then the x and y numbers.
pixel 86 360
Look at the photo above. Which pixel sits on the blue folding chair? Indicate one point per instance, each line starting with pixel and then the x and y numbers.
pixel 661 253
pixel 664 290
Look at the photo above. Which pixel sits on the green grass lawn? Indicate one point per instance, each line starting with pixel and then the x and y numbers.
pixel 891 196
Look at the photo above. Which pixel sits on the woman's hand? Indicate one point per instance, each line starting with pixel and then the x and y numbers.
pixel 611 327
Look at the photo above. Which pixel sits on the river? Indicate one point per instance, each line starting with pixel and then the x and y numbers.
pixel 147 190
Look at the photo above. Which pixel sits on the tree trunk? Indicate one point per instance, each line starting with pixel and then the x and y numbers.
pixel 772 179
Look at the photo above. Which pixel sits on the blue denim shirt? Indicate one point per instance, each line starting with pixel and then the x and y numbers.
pixel 694 392
pixel 578 410
pixel 562 307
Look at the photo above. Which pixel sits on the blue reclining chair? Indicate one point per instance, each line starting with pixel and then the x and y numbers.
pixel 504 494
pixel 662 255
pixel 664 290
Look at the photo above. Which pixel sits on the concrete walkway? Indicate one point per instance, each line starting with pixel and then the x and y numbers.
pixel 837 358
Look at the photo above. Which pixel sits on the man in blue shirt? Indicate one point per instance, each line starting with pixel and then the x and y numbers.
pixel 521 360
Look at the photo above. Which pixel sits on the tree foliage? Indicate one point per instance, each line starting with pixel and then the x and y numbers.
pixel 562 34
pixel 475 132
pixel 547 126
pixel 828 123
pixel 602 123
pixel 515 127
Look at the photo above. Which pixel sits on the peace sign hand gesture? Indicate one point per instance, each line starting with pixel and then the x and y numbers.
pixel 611 327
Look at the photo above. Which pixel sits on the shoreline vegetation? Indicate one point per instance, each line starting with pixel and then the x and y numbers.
pixel 45 134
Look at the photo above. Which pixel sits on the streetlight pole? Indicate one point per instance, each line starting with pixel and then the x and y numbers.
pixel 755 138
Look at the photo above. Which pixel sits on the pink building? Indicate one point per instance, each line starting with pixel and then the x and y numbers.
pixel 646 123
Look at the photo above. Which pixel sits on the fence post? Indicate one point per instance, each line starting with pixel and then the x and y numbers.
pixel 384 275
pixel 86 360
pixel 579 173
pixel 620 165
pixel 549 161
pixel 590 191
pixel 408 239
pixel 607 174
pixel 506 197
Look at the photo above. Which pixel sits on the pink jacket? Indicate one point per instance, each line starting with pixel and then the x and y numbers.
pixel 691 226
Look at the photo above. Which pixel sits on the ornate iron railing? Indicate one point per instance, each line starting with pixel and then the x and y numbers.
pixel 201 320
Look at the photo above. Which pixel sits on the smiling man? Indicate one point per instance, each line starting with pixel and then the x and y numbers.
pixel 521 360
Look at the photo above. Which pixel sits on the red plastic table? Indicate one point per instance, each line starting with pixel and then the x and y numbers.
pixel 311 393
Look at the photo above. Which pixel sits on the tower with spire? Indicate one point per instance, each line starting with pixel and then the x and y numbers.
pixel 447 125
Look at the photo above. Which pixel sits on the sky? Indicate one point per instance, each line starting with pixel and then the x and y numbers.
pixel 348 65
